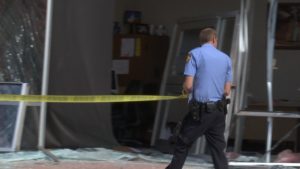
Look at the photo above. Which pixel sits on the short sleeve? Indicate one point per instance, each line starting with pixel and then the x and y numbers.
pixel 229 71
pixel 190 65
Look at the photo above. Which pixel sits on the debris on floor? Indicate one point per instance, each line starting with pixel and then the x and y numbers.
pixel 125 157
pixel 288 156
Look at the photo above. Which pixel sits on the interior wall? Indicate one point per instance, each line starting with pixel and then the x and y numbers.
pixel 121 6
pixel 256 84
pixel 285 84
pixel 286 81
pixel 168 12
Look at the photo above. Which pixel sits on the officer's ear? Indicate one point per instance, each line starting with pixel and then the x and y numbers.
pixel 215 41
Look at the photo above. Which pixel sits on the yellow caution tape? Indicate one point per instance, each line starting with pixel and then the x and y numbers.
pixel 86 99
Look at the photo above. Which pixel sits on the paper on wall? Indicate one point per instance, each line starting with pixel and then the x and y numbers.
pixel 127 47
pixel 121 66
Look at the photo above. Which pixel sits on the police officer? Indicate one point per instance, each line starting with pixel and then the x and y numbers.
pixel 208 78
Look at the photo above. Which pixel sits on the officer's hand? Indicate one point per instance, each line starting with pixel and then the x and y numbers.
pixel 184 92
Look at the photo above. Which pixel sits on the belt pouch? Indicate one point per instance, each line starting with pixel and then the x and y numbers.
pixel 211 107
pixel 194 110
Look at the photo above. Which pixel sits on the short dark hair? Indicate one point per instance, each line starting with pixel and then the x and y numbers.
pixel 207 34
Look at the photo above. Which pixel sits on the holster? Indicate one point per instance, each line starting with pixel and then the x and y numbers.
pixel 224 103
pixel 195 110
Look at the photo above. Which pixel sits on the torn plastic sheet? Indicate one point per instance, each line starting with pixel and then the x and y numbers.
pixel 243 158
pixel 102 154
pixel 80 154
pixel 106 154
pixel 288 156
pixel 96 154
pixel 93 154
pixel 165 158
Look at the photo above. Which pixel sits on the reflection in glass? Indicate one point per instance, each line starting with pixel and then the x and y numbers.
pixel 8 115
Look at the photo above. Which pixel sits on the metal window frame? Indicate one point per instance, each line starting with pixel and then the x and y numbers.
pixel 18 129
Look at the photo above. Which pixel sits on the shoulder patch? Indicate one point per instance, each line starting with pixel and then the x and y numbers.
pixel 187 58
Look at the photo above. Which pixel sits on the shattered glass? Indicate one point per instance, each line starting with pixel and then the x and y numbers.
pixel 7 127
pixel 22 27
pixel 8 116
pixel 89 155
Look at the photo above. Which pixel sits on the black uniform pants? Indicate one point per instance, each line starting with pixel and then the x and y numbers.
pixel 211 123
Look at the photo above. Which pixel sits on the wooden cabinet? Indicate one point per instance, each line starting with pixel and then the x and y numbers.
pixel 147 63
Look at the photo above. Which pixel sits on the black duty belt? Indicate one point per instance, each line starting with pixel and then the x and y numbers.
pixel 209 103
